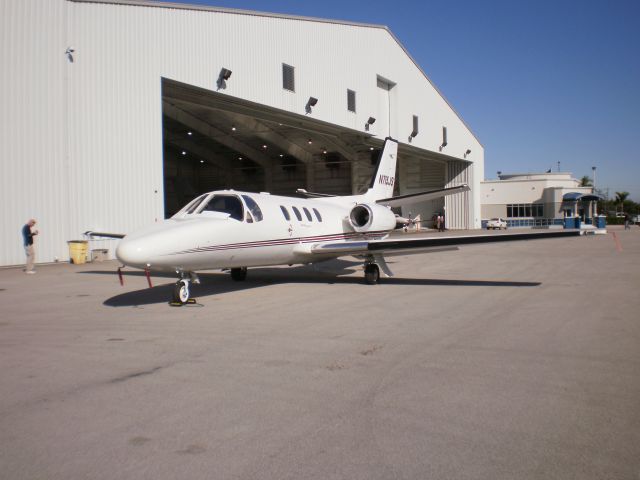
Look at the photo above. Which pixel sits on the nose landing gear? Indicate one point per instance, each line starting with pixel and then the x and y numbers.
pixel 181 293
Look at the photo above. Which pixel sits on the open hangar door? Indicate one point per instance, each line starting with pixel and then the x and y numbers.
pixel 213 141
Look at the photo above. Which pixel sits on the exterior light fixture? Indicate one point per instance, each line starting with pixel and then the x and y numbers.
pixel 324 151
pixel 201 161
pixel 310 103
pixel 189 133
pixel 69 53
pixel 370 122
pixel 309 141
pixel 240 158
pixel 183 152
pixel 444 138
pixel 414 131
pixel 225 74
pixel 281 155
pixel 264 146
pixel 467 153
pixel 233 128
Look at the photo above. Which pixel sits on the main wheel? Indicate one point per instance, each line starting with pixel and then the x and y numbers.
pixel 371 274
pixel 239 274
pixel 181 292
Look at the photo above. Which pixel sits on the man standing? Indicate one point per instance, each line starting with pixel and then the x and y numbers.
pixel 27 236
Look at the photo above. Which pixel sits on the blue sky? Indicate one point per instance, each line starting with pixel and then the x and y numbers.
pixel 539 82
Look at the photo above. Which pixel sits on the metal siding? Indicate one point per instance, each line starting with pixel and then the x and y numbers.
pixel 33 181
pixel 109 108
pixel 458 208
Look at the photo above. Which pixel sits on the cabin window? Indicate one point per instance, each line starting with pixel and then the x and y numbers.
pixel 285 212
pixel 318 216
pixel 308 214
pixel 226 204
pixel 297 213
pixel 253 207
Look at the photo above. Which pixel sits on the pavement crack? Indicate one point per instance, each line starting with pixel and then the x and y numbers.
pixel 143 373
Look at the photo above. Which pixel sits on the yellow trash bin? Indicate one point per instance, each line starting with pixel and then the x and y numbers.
pixel 78 251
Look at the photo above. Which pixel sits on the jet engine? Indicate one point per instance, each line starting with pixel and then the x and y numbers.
pixel 371 218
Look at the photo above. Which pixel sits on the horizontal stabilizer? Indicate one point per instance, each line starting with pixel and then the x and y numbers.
pixel 91 234
pixel 304 193
pixel 422 196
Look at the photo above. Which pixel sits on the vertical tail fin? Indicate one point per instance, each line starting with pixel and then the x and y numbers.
pixel 385 175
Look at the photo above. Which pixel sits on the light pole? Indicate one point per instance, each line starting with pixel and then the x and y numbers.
pixel 595 207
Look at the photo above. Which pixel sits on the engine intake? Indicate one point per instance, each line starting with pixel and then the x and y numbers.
pixel 366 218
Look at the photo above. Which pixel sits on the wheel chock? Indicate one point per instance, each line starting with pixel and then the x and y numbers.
pixel 176 304
pixel 192 301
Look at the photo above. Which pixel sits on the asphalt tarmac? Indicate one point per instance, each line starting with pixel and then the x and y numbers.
pixel 498 361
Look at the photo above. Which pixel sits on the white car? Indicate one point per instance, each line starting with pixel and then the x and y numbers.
pixel 497 223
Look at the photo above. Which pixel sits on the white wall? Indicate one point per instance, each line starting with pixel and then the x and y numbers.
pixel 85 138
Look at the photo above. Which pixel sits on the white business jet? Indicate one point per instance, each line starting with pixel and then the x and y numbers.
pixel 234 230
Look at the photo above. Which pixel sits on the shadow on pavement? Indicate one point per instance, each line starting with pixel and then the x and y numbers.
pixel 220 283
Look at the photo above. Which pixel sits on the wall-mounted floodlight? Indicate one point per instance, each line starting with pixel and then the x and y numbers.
pixel 370 122
pixel 444 138
pixel 415 130
pixel 69 53
pixel 225 74
pixel 467 153
pixel 310 103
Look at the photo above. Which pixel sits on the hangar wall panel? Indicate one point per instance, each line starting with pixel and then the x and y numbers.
pixel 32 134
pixel 457 207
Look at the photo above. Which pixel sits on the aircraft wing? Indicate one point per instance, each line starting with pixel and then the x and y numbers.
pixel 403 246
pixel 422 196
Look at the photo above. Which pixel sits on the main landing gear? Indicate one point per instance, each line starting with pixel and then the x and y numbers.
pixel 371 274
pixel 372 266
pixel 181 293
pixel 239 274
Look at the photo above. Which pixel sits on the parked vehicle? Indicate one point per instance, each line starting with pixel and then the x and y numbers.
pixel 497 224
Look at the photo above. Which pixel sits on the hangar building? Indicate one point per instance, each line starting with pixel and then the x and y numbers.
pixel 115 113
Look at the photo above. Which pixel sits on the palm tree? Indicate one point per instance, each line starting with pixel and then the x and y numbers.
pixel 620 198
pixel 586 181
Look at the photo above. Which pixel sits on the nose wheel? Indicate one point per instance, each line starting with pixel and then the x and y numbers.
pixel 181 293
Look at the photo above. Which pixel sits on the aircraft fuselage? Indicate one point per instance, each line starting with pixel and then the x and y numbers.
pixel 203 239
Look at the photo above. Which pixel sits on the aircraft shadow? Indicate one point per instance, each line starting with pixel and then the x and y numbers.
pixel 221 283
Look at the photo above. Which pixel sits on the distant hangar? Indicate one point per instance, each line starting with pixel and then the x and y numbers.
pixel 115 113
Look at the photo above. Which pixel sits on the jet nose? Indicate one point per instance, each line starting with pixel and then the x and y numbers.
pixel 132 253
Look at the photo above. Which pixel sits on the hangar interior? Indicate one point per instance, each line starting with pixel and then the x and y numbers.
pixel 215 141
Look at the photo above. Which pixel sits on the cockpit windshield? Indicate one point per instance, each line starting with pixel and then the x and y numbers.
pixel 191 207
pixel 225 204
